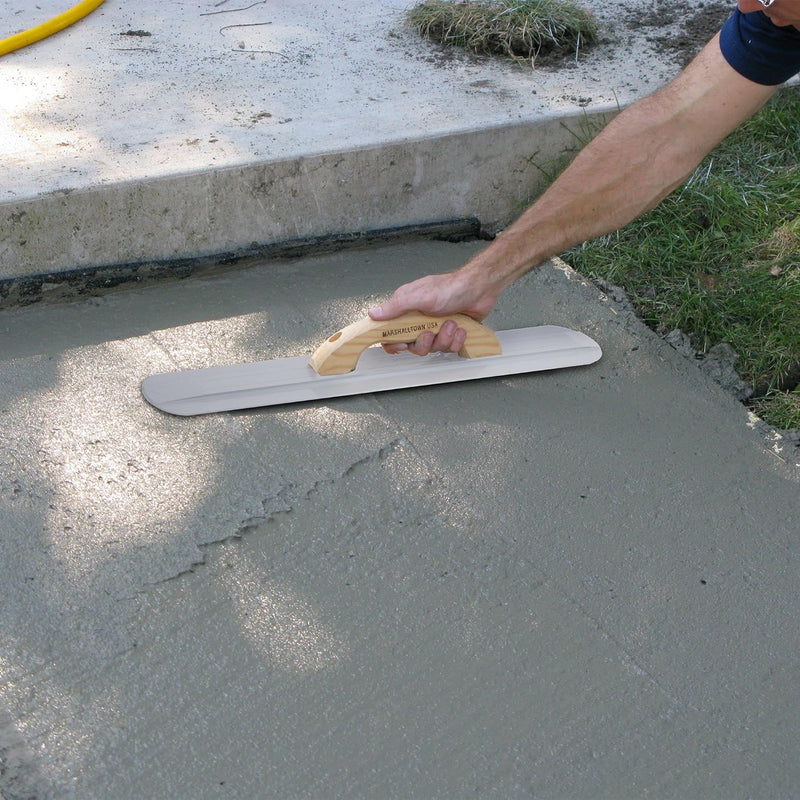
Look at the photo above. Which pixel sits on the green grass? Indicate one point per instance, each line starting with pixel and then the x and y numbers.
pixel 516 28
pixel 720 257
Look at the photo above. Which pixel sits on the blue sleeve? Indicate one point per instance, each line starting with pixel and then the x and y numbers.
pixel 765 53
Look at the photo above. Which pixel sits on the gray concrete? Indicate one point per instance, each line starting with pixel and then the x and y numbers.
pixel 490 174
pixel 578 584
pixel 307 119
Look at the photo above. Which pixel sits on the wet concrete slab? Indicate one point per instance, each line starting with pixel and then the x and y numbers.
pixel 579 583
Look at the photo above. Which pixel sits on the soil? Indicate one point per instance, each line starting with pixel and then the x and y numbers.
pixel 692 35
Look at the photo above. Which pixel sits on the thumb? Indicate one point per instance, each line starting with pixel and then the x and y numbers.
pixel 389 309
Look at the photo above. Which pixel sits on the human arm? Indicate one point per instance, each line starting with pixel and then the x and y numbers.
pixel 642 155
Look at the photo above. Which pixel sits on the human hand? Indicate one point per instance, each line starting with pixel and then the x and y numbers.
pixel 437 295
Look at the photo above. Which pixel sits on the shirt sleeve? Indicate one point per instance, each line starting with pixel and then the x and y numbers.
pixel 761 51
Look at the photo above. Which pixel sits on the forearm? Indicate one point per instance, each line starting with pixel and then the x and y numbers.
pixel 640 157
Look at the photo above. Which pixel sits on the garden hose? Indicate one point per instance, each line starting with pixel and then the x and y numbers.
pixel 48 28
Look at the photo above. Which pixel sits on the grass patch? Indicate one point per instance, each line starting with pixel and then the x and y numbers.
pixel 720 257
pixel 516 28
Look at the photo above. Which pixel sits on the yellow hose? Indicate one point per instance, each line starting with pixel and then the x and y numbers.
pixel 48 28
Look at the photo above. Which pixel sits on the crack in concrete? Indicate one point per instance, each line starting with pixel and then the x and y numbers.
pixel 282 503
pixel 290 497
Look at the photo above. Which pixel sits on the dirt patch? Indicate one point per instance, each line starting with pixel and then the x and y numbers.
pixel 692 33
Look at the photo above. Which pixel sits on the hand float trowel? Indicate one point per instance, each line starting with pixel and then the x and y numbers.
pixel 346 365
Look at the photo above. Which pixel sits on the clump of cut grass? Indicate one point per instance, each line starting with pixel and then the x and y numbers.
pixel 780 409
pixel 720 258
pixel 521 29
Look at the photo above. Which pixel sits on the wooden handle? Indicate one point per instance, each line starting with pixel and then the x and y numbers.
pixel 340 353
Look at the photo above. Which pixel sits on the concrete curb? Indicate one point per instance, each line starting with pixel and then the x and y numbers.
pixel 490 174
pixel 71 284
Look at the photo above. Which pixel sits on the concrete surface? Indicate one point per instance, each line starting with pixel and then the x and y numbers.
pixel 580 584
pixel 577 584
pixel 225 129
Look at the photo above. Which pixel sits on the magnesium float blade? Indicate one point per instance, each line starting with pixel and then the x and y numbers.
pixel 292 380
